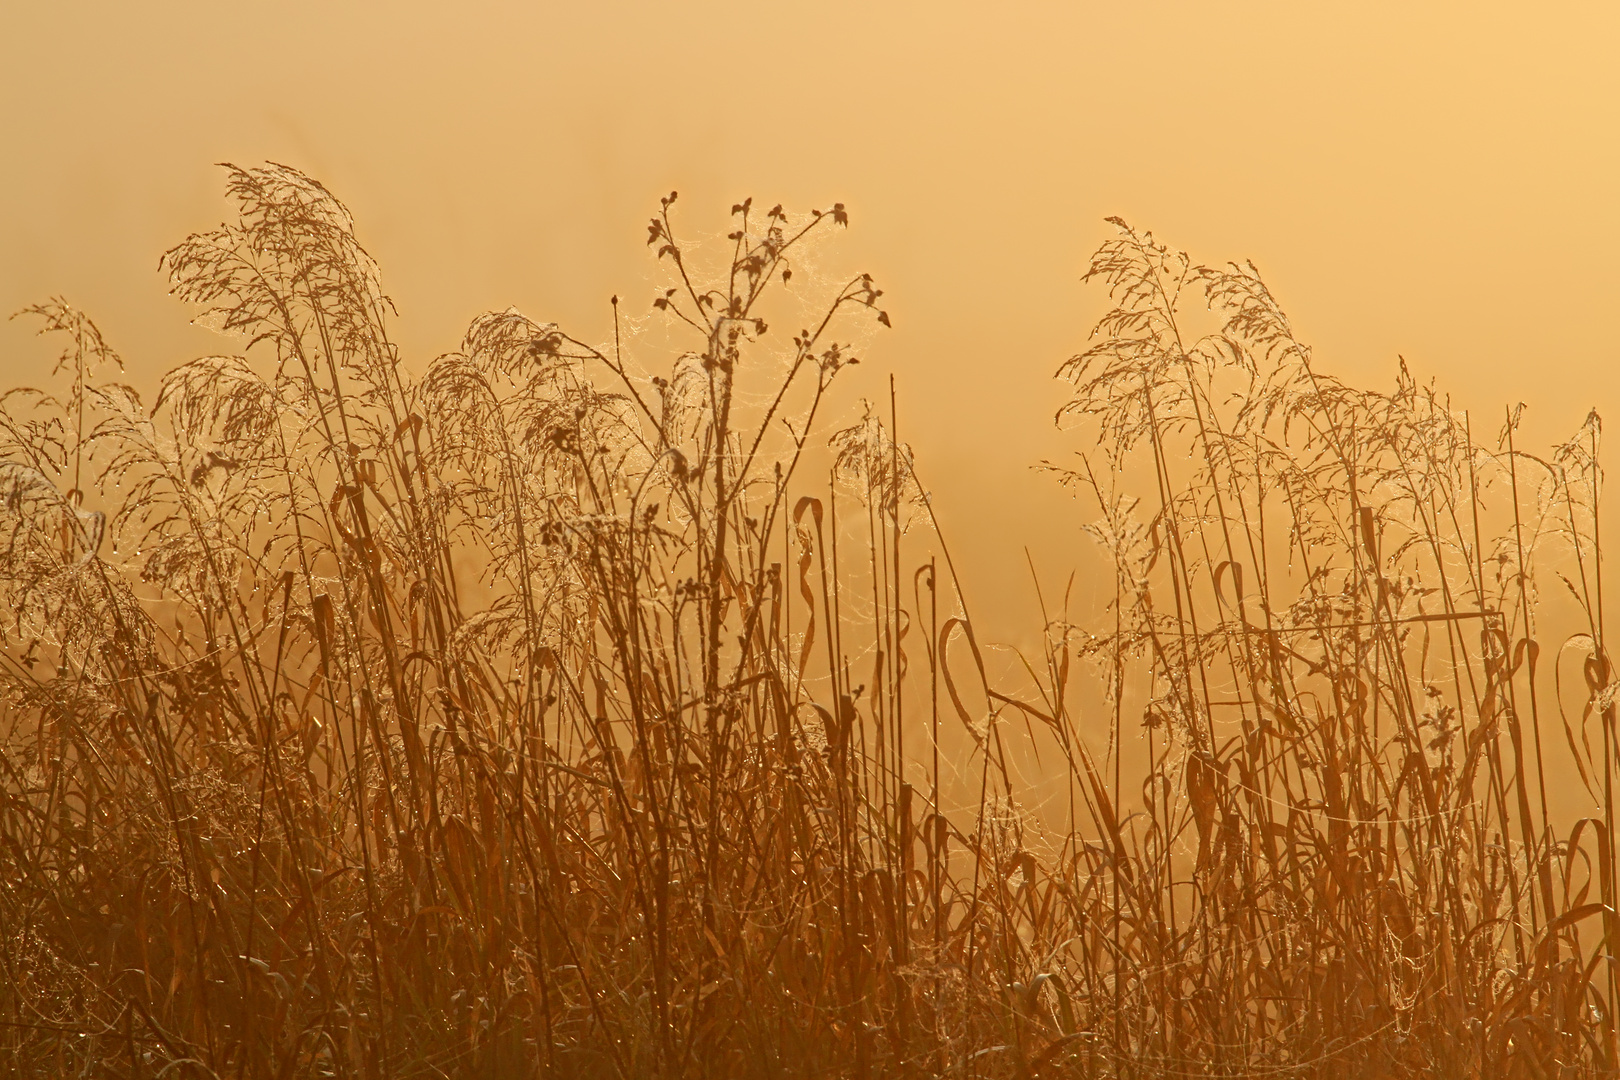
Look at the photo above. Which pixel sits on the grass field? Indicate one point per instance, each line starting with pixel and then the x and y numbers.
pixel 561 709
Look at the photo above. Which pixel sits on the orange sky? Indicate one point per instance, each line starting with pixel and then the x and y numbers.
pixel 1440 183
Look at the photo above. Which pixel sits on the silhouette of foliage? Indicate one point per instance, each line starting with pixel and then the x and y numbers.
pixel 575 710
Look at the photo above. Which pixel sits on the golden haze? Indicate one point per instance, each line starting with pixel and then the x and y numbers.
pixel 1436 181
pixel 567 759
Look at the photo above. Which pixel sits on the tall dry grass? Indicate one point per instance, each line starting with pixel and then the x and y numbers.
pixel 580 710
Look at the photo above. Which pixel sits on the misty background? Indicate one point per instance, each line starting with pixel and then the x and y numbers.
pixel 1436 183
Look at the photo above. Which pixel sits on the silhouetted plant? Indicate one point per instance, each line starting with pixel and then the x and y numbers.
pixel 526 718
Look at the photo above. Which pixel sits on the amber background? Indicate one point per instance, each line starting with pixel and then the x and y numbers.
pixel 1437 181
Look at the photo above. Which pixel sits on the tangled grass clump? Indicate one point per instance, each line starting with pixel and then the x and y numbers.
pixel 524 717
